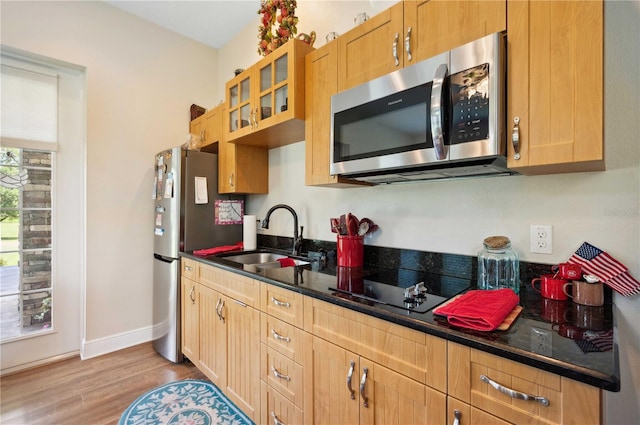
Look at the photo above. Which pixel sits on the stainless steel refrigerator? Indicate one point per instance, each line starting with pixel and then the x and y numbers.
pixel 185 219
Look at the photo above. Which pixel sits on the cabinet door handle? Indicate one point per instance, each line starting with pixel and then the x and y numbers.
pixel 279 337
pixel 276 421
pixel 437 113
pixel 251 119
pixel 456 415
pixel 365 401
pixel 407 44
pixel 349 376
pixel 280 303
pixel 395 50
pixel 231 180
pixel 279 375
pixel 513 393
pixel 255 117
pixel 515 137
pixel 193 298
pixel 219 306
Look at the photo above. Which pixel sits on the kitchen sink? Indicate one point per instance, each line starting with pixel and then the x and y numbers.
pixel 263 260
pixel 277 265
pixel 254 258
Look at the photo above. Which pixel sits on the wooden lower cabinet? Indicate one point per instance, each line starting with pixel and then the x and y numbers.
pixel 230 336
pixel 466 415
pixel 213 336
pixel 243 346
pixel 189 323
pixel 344 388
pixel 277 410
pixel 285 358
pixel 569 401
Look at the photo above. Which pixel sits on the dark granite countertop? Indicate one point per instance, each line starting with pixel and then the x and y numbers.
pixel 592 359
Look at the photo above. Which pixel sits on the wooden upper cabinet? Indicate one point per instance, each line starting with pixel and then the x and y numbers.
pixel 441 25
pixel 321 76
pixel 411 31
pixel 265 103
pixel 212 125
pixel 366 51
pixel 555 86
pixel 241 168
pixel 208 127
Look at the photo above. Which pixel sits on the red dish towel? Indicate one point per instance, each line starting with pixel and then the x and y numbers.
pixel 217 250
pixel 287 262
pixel 479 309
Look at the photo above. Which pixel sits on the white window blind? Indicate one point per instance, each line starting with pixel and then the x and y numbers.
pixel 29 109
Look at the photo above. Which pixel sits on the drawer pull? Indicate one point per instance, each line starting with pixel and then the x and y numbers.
pixel 280 303
pixel 276 421
pixel 279 337
pixel 457 415
pixel 279 375
pixel 240 303
pixel 365 402
pixel 349 376
pixel 187 268
pixel 514 394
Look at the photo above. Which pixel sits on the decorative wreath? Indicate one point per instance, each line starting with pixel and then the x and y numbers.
pixel 287 21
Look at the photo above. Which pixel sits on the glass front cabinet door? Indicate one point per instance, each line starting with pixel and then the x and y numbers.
pixel 266 102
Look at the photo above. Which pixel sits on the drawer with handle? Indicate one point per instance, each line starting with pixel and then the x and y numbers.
pixel 188 268
pixel 516 392
pixel 277 410
pixel 282 374
pixel 282 337
pixel 282 303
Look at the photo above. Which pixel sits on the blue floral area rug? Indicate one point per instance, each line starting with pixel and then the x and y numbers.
pixel 186 402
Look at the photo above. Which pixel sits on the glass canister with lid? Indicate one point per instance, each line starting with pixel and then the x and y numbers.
pixel 498 265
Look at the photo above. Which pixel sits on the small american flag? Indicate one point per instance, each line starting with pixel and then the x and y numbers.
pixel 606 268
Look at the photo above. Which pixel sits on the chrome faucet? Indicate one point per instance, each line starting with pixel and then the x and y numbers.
pixel 297 238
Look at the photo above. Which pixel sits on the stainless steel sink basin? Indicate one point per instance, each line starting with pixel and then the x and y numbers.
pixel 254 258
pixel 260 260
pixel 277 265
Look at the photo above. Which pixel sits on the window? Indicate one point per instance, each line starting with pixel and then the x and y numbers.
pixel 29 107
pixel 26 235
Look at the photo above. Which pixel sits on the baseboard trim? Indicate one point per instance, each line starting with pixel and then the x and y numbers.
pixel 109 344
pixel 38 363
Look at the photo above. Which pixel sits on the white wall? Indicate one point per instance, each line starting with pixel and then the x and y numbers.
pixel 455 216
pixel 141 81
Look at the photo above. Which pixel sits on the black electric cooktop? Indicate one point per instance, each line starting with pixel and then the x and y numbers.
pixel 406 289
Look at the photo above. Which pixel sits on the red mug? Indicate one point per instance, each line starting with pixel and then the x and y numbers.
pixel 550 287
pixel 567 271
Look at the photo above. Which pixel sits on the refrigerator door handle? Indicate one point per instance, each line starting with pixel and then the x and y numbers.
pixel 164 259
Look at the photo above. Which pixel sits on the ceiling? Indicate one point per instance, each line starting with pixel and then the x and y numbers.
pixel 211 22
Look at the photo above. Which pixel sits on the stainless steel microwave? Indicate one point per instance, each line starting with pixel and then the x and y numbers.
pixel 439 118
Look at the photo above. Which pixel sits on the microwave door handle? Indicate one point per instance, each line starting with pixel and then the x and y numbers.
pixel 437 112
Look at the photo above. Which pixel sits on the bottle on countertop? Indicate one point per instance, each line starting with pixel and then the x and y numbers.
pixel 498 265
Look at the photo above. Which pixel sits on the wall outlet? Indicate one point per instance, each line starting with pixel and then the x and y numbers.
pixel 541 239
pixel 542 341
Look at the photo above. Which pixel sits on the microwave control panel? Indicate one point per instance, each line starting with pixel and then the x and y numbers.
pixel 470 105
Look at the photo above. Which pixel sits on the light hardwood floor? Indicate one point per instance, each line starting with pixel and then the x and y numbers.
pixel 93 391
